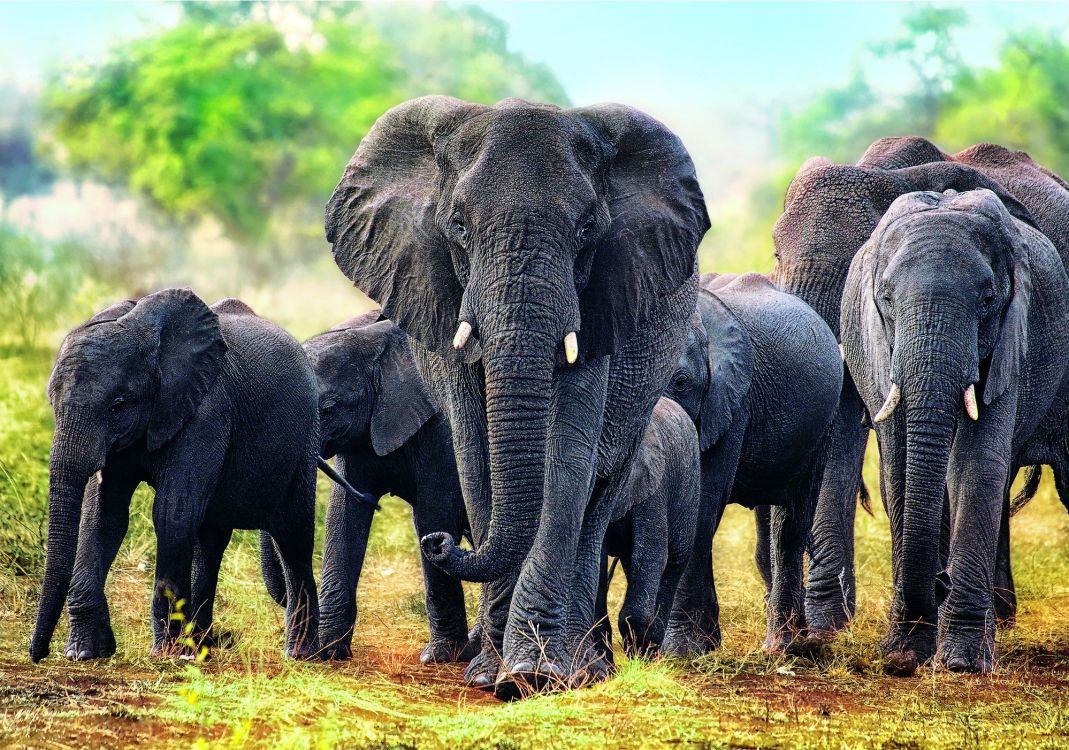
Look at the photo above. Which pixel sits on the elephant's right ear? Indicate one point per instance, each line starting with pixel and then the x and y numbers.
pixel 730 369
pixel 381 220
pixel 861 313
pixel 404 403
pixel 189 356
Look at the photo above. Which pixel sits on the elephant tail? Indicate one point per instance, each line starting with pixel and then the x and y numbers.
pixel 864 497
pixel 1031 486
pixel 271 566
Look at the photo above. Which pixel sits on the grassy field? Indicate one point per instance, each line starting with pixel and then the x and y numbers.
pixel 249 696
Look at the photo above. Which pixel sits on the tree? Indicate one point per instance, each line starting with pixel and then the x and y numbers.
pixel 248 113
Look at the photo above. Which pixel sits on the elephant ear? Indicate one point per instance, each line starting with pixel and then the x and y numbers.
pixel 657 217
pixel 730 369
pixel 404 403
pixel 648 469
pixel 189 356
pixel 109 314
pixel 875 344
pixel 381 221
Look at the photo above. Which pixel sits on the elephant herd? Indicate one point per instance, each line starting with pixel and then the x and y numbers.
pixel 550 379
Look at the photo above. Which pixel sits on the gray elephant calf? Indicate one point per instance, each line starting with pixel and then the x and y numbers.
pixel 652 530
pixel 213 407
pixel 760 377
pixel 378 419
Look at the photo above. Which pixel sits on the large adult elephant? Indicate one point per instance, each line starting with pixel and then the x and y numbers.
pixel 542 260
pixel 215 408
pixel 1046 196
pixel 955 323
pixel 829 212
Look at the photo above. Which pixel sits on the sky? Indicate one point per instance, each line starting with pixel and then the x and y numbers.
pixel 717 73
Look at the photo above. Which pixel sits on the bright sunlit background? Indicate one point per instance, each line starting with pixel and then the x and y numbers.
pixel 149 144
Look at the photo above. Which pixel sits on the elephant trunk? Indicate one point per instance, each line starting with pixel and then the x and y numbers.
pixel 71 464
pixel 521 333
pixel 932 396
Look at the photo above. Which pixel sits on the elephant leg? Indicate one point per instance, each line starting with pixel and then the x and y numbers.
pixel 208 556
pixel 1005 591
pixel 294 539
pixel 467 405
pixel 786 618
pixel 831 590
pixel 538 651
pixel 694 626
pixel 642 621
pixel 347 530
pixel 588 660
pixel 602 626
pixel 762 555
pixel 978 480
pixel 444 594
pixel 105 520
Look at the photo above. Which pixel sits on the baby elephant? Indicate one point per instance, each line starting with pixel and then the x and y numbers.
pixel 653 534
pixel 215 408
pixel 378 419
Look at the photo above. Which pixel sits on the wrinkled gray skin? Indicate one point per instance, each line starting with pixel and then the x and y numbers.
pixel 379 420
pixel 528 222
pixel 1045 195
pixel 215 408
pixel 652 530
pixel 829 212
pixel 952 292
pixel 760 378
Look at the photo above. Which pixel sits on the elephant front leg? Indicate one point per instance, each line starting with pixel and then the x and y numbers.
pixel 978 480
pixel 105 520
pixel 536 650
pixel 446 615
pixel 830 591
pixel 1005 591
pixel 347 530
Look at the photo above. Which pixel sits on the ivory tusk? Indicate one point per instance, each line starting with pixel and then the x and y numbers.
pixel 461 337
pixel 889 405
pixel 571 347
pixel 842 354
pixel 970 403
pixel 100 477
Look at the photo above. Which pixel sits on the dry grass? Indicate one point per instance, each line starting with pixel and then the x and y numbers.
pixel 739 697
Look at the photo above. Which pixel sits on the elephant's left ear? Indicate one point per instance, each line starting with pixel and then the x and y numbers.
pixel 189 356
pixel 1011 346
pixel 657 218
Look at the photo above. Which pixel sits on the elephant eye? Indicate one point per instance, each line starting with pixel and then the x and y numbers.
pixel 118 404
pixel 988 295
pixel 585 230
pixel 679 382
pixel 456 226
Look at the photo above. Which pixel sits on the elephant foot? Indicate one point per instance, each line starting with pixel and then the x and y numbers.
pixel 908 647
pixel 91 639
pixel 526 678
pixel 690 639
pixel 825 623
pixel 968 649
pixel 784 637
pixel 482 671
pixel 336 652
pixel 303 651
pixel 1005 609
pixel 445 650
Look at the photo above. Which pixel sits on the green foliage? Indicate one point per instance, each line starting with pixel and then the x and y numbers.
pixel 233 116
pixel 41 283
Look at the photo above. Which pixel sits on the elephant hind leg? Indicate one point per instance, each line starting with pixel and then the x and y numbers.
pixel 208 556
pixel 293 534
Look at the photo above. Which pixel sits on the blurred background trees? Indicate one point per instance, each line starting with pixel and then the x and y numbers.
pixel 203 152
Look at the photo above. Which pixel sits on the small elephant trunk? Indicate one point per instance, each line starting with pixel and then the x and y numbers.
pixel 70 468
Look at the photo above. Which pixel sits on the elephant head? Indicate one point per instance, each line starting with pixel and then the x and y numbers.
pixel 524 235
pixel 133 374
pixel 831 210
pixel 935 327
pixel 715 370
pixel 368 385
